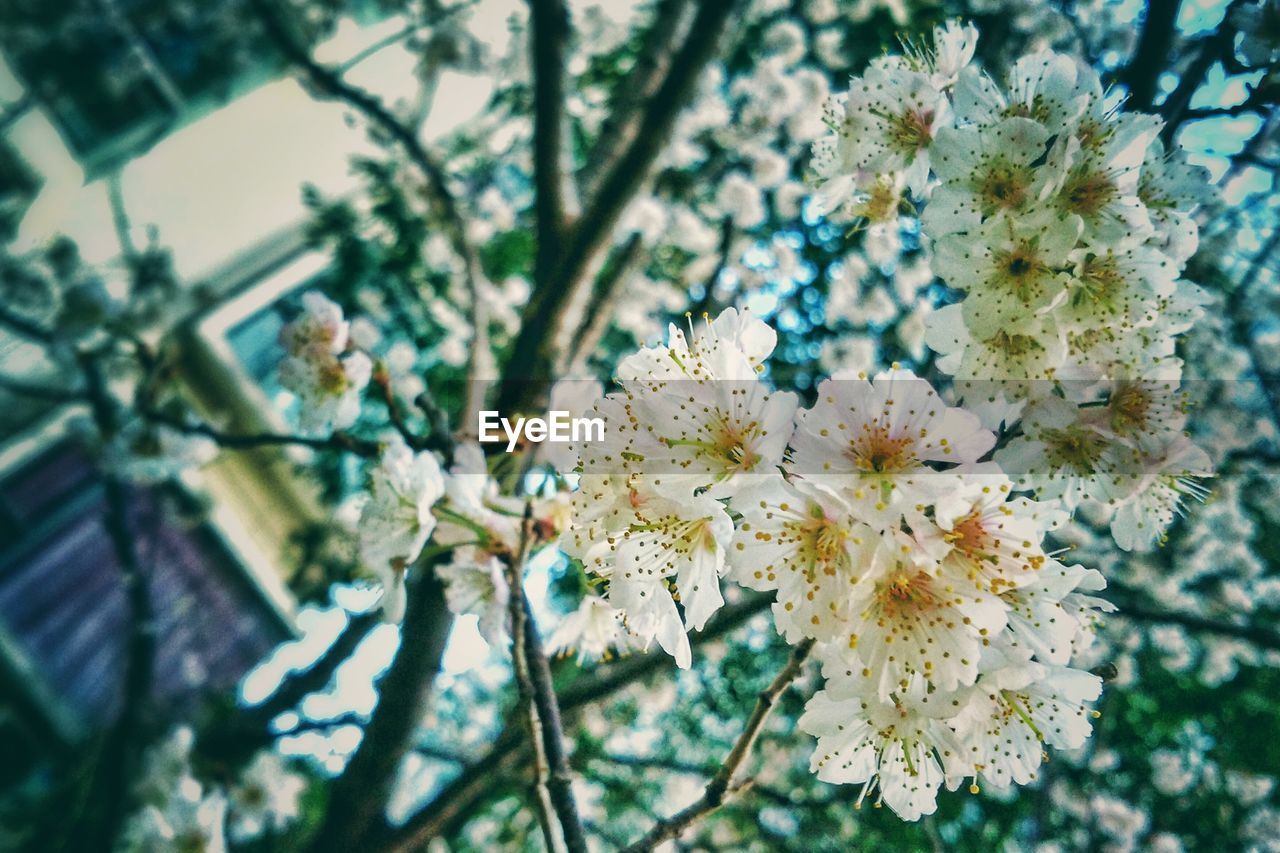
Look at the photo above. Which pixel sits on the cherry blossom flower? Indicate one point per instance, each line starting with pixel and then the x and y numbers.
pixel 475 584
pixel 806 543
pixel 987 172
pixel 266 797
pixel 1063 455
pixel 903 747
pixel 913 618
pixel 871 440
pixel 993 540
pixel 1170 477
pixel 1018 710
pixel 397 518
pixel 1010 271
pixel 593 630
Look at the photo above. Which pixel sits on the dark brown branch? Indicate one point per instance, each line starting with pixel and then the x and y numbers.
pixel 1142 74
pixel 653 58
pixel 510 751
pixel 26 328
pixel 726 783
pixel 1256 634
pixel 549 32
pixel 436 438
pixel 358 797
pixel 599 313
pixel 1258 100
pixel 113 773
pixel 23 388
pixel 553 783
pixel 1213 48
pixel 1242 324
pixel 301 683
pixel 244 441
pixel 531 357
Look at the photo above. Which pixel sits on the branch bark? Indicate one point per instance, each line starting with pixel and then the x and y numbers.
pixel 553 785
pixel 1242 325
pixel 725 783
pixel 599 312
pixel 243 441
pixel 549 32
pixel 1256 634
pixel 113 773
pixel 1142 74
pixel 653 59
pixel 26 328
pixel 250 728
pixel 510 751
pixel 528 368
pixel 358 798
pixel 1221 43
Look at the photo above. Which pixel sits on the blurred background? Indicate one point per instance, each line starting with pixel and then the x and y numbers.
pixel 185 170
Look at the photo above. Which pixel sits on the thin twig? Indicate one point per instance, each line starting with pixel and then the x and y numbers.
pixel 244 441
pixel 725 783
pixel 330 83
pixel 1242 324
pixel 1256 634
pixel 553 788
pixel 1213 48
pixel 26 328
pixel 463 795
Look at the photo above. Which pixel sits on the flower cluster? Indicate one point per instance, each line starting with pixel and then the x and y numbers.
pixel 945 629
pixel 1065 225
pixel 319 368
pixel 177 811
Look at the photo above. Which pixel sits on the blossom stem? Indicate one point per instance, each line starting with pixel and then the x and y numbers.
pixel 723 784
pixel 553 791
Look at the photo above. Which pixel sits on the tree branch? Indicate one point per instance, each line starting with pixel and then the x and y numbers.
pixel 1258 100
pixel 112 776
pixel 250 729
pixel 620 127
pixel 1242 325
pixel 22 388
pixel 725 784
pixel 1221 43
pixel 1142 74
pixel 549 30
pixel 599 312
pixel 331 83
pixel 464 794
pixel 1256 634
pixel 243 441
pixel 24 327
pixel 359 796
pixel 562 827
pixel 528 368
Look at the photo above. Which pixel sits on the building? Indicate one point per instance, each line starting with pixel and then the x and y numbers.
pixel 128 120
